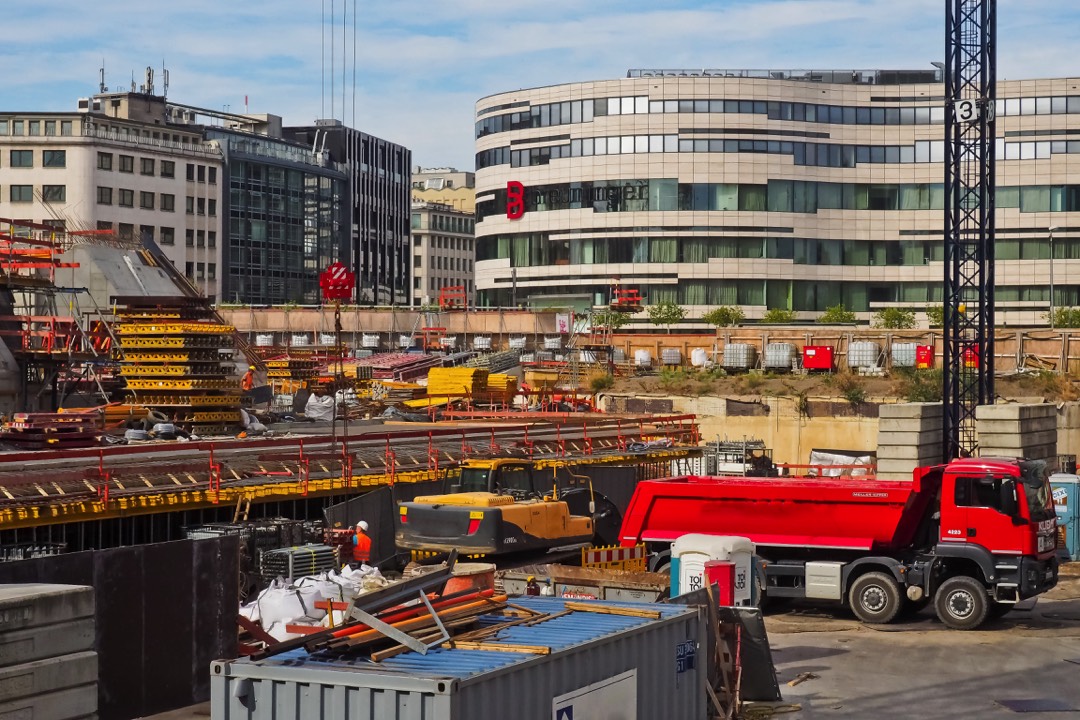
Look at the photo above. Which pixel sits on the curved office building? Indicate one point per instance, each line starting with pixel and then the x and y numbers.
pixel 764 189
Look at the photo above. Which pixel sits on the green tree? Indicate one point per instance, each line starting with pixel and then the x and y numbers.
pixel 935 314
pixel 778 316
pixel 894 318
pixel 666 313
pixel 1065 317
pixel 837 315
pixel 610 318
pixel 724 316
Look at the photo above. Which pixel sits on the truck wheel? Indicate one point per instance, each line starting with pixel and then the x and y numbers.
pixel 962 603
pixel 875 598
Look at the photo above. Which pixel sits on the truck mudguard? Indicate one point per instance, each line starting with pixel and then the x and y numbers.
pixel 976 553
pixel 891 564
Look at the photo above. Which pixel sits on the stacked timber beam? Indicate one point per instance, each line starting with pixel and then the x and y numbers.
pixel 177 359
pixel 1016 430
pixel 909 436
pixel 40 431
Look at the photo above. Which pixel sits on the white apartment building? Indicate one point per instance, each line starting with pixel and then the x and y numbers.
pixel 444 252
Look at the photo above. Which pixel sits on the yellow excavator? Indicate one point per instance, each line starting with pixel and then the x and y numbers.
pixel 503 506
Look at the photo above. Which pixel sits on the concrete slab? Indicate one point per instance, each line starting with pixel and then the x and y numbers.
pixel 908 425
pixel 23 646
pixel 908 437
pixel 905 452
pixel 36 604
pixel 1015 411
pixel 71 704
pixel 1016 426
pixel 1031 437
pixel 910 410
pixel 44 676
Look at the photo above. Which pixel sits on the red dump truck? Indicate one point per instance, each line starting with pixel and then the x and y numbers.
pixel 975 536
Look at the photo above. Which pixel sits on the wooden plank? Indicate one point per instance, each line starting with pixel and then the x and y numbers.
pixel 610 610
pixel 498 647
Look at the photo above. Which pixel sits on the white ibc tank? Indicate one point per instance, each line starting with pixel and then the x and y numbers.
pixel 693 550
pixel 618 355
pixel 481 342
pixel 370 341
pixel 404 341
pixel 449 342
pixel 699 357
pixel 864 354
pixel 671 356
pixel 739 356
pixel 326 339
pixel 300 339
pixel 903 354
pixel 264 340
pixel 553 342
pixel 517 342
pixel 779 356
pixel 642 358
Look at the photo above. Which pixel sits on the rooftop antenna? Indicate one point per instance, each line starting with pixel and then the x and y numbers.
pixel 149 80
pixel 101 74
pixel 164 79
pixel 132 81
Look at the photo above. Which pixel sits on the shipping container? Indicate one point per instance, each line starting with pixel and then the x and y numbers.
pixel 628 666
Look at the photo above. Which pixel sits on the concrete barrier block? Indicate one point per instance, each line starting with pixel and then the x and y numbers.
pixel 36 604
pixel 1032 452
pixel 23 646
pixel 910 411
pixel 900 437
pixel 72 704
pixel 44 676
pixel 1015 411
pixel 1019 427
pixel 903 425
pixel 896 467
pixel 1017 440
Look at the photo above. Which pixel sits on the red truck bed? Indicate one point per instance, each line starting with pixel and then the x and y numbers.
pixel 843 513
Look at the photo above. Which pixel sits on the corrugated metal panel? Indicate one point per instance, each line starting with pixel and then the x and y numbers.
pixel 459 684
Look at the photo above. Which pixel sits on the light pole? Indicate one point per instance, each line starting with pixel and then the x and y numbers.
pixel 1052 231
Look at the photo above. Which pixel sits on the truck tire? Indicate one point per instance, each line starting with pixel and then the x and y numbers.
pixel 961 603
pixel 875 598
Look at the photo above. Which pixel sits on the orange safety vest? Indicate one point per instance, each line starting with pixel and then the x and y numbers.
pixel 361 551
pixel 248 382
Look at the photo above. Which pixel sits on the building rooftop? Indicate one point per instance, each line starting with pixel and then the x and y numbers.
pixel 844 77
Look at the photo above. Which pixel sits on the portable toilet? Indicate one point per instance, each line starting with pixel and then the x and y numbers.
pixel 691 552
pixel 1066 491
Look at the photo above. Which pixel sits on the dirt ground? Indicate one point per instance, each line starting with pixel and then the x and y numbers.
pixel 913 386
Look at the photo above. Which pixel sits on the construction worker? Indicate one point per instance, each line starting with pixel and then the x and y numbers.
pixel 361 545
pixel 248 381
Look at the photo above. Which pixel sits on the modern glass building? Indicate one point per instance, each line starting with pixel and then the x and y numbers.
pixel 764 189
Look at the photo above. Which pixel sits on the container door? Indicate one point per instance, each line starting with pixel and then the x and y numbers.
pixel 1066 496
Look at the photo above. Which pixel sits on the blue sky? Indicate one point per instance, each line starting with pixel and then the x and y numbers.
pixel 421 65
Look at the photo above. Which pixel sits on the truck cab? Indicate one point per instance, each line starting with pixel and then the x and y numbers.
pixel 999 513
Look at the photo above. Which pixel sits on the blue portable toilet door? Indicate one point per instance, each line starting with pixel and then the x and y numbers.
pixel 1066 491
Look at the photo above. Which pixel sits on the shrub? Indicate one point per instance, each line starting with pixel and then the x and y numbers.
pixel 851 388
pixel 919 385
pixel 724 316
pixel 602 382
pixel 1065 317
pixel 837 315
pixel 935 314
pixel 894 318
pixel 778 316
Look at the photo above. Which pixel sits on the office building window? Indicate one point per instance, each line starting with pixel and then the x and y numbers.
pixel 104 196
pixel 54 193
pixel 146 200
pixel 168 168
pixel 211 207
pixel 190 205
pixel 191 172
pixel 17 127
pixel 212 175
pixel 189 270
pixel 211 238
pixel 146 166
pixel 168 202
pixel 211 271
pixel 22 193
pixel 104 161
pixel 201 170
pixel 168 236
pixel 146 232
pixel 50 128
pixel 200 272
pixel 126 231
pixel 65 128
pixel 200 238
pixel 189 238
pixel 127 198
pixel 127 164
pixel 35 127
pixel 54 158
pixel 200 205
pixel 21 158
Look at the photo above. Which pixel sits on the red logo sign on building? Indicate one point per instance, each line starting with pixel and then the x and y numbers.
pixel 337 282
pixel 515 200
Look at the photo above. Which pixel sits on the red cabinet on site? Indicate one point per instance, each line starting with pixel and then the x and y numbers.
pixel 924 357
pixel 817 357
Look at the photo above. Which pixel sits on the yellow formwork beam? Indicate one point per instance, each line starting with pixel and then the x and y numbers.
pixel 187 498
pixel 189 328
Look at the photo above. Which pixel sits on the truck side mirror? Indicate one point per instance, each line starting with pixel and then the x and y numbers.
pixel 1009 505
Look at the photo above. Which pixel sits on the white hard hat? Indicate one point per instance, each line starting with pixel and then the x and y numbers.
pixel 362 525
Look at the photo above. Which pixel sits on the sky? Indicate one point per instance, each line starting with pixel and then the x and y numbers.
pixel 420 66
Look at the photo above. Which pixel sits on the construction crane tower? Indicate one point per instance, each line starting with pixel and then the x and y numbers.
pixel 970 132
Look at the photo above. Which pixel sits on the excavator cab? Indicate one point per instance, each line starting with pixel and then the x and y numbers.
pixel 515 479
